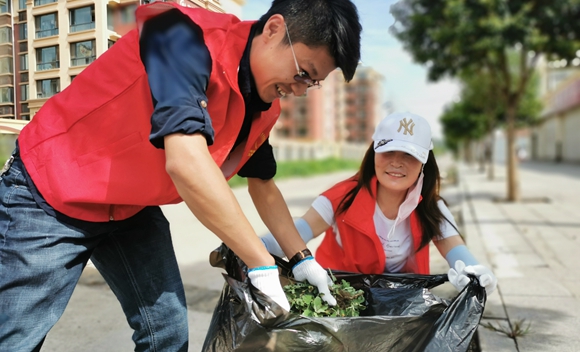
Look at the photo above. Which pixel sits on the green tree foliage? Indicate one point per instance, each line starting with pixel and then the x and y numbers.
pixel 462 122
pixel 451 37
pixel 479 109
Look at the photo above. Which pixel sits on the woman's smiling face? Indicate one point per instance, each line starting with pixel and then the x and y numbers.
pixel 396 171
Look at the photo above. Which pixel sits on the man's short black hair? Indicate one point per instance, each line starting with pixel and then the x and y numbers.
pixel 315 23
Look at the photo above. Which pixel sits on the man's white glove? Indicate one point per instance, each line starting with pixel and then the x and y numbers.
pixel 265 279
pixel 308 269
pixel 458 276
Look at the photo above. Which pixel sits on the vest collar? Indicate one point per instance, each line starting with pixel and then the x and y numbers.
pixel 360 214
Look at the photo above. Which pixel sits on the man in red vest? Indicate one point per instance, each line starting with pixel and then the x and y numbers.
pixel 167 114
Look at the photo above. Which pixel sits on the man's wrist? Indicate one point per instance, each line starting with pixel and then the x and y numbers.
pixel 305 253
pixel 265 260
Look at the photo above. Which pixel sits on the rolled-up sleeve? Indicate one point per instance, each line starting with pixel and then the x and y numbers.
pixel 178 66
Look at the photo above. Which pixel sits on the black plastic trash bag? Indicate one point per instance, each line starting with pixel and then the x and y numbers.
pixel 401 315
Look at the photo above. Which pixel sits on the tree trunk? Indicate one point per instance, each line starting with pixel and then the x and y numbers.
pixel 467 156
pixel 491 145
pixel 482 154
pixel 513 192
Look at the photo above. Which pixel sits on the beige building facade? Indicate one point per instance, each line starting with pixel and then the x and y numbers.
pixel 555 138
pixel 337 120
pixel 45 44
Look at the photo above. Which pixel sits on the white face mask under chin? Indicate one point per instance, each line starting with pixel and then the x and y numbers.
pixel 409 204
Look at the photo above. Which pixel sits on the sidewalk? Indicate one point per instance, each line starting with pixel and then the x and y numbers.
pixel 532 246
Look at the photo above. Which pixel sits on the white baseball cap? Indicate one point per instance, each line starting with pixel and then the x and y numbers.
pixel 404 132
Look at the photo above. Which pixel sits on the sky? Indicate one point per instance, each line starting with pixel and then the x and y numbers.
pixel 405 86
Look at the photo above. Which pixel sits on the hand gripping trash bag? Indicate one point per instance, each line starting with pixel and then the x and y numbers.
pixel 401 315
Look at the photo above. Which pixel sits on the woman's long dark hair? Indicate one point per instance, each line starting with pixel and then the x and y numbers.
pixel 428 211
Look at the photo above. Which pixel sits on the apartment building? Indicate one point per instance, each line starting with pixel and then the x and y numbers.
pixel 337 112
pixel 45 44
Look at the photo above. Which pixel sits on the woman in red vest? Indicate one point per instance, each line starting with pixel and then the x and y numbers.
pixel 167 114
pixel 383 218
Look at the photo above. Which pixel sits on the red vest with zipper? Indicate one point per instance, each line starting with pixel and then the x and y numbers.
pixel 360 250
pixel 87 150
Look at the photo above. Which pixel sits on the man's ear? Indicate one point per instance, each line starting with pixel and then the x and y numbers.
pixel 274 28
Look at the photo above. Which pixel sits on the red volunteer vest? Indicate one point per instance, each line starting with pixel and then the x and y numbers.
pixel 87 149
pixel 361 250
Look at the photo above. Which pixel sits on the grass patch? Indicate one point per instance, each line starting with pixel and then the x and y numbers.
pixel 303 168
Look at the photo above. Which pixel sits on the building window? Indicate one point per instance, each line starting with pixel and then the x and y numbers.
pixel 24 77
pixel 82 19
pixel 24 108
pixel 47 87
pixel 22 31
pixel 22 16
pixel 24 92
pixel 6 95
pixel 43 2
pixel 24 62
pixel 46 25
pixel 23 46
pixel 5 35
pixel 82 53
pixel 5 7
pixel 110 18
pixel 128 14
pixel 22 5
pixel 47 58
pixel 110 43
pixel 5 65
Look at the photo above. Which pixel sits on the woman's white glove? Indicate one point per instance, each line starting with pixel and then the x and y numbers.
pixel 308 269
pixel 458 276
pixel 265 279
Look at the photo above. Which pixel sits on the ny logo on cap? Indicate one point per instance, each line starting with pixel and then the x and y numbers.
pixel 408 126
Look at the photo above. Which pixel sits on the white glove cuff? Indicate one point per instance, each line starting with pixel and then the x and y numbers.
pixel 265 279
pixel 263 276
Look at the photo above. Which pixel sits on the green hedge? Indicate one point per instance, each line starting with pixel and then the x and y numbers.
pixel 301 168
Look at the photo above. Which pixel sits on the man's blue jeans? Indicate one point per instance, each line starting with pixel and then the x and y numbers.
pixel 42 257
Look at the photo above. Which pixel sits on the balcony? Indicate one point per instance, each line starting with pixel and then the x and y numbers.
pixel 6 50
pixel 7 110
pixel 6 80
pixel 82 27
pixel 43 66
pixel 46 33
pixel 47 94
pixel 79 61
pixel 43 2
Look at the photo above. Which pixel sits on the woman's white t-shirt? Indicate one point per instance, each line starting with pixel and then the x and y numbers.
pixel 398 246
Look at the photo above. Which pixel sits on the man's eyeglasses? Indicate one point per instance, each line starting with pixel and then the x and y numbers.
pixel 302 76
